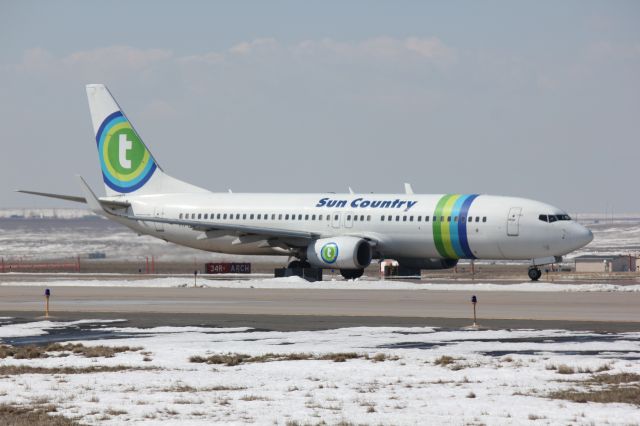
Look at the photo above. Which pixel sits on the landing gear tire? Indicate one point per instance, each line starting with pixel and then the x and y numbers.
pixel 351 274
pixel 295 264
pixel 299 264
pixel 535 273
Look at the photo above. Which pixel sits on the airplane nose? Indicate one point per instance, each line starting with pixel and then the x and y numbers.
pixel 584 236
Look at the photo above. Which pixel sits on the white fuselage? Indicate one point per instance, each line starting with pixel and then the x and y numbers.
pixel 492 227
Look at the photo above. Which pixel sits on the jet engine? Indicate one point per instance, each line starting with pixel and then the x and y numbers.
pixel 339 253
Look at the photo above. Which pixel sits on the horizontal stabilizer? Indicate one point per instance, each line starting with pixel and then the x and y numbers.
pixel 58 196
pixel 112 204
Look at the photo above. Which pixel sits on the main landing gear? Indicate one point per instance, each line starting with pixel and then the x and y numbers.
pixel 534 273
pixel 294 264
pixel 351 274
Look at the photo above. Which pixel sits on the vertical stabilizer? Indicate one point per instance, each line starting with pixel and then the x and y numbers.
pixel 127 165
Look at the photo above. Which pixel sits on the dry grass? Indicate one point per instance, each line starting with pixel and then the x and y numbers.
pixel 444 360
pixel 232 359
pixel 566 369
pixel 32 351
pixel 605 388
pixel 32 416
pixel 12 370
pixel 181 387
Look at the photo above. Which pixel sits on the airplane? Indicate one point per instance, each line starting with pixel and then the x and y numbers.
pixel 328 230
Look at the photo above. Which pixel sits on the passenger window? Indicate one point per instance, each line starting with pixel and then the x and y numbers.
pixel 299 217
pixel 404 218
pixel 419 218
pixel 455 219
pixel 484 219
pixel 441 218
pixel 259 216
pixel 470 218
pixel 381 218
pixel 180 217
pixel 355 217
pixel 448 218
pixel 313 217
pixel 348 217
pixel 335 217
pixel 199 215
pixel 426 218
pixel 293 217
pixel 368 218
pixel 306 217
pixel 224 216
pixel 435 218
pixel 477 219
pixel 543 217
pixel 397 218
pixel 390 218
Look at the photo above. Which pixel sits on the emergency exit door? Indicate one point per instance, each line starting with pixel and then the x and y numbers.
pixel 513 221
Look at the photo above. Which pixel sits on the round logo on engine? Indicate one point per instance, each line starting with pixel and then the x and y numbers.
pixel 329 252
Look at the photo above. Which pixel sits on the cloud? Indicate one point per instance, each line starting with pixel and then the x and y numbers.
pixel 259 44
pixel 384 48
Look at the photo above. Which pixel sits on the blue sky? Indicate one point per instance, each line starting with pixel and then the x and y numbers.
pixel 537 99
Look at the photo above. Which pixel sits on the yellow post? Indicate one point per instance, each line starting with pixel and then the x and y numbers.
pixel 47 293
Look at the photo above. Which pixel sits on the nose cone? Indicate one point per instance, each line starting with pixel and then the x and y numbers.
pixel 582 236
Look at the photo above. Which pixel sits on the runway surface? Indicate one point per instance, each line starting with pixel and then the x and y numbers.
pixel 290 309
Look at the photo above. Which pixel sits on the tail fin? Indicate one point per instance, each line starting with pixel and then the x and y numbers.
pixel 127 164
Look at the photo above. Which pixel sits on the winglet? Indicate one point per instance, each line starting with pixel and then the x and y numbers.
pixel 407 188
pixel 90 197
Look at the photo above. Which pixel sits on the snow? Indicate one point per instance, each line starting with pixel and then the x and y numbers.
pixel 299 283
pixel 409 390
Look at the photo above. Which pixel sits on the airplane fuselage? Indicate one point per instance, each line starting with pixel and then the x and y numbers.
pixel 403 225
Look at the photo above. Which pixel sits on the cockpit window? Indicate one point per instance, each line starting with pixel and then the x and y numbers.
pixel 553 217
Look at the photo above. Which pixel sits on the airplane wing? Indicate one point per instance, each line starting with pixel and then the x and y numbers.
pixel 239 230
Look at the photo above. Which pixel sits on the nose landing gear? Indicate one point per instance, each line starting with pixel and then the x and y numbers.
pixel 534 273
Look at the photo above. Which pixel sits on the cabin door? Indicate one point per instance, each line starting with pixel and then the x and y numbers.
pixel 158 213
pixel 513 221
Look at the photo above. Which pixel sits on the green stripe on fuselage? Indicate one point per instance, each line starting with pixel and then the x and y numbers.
pixel 437 226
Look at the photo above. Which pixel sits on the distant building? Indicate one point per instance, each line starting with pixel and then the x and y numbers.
pixel 615 263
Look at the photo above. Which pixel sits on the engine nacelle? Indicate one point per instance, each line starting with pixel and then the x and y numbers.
pixel 419 263
pixel 339 253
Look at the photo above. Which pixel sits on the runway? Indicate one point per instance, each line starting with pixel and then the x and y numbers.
pixel 290 309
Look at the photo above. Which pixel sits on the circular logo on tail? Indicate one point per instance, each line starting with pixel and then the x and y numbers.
pixel 329 252
pixel 126 163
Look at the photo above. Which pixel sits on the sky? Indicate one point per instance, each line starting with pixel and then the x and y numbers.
pixel 534 99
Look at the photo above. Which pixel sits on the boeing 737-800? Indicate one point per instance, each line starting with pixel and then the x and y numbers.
pixel 337 231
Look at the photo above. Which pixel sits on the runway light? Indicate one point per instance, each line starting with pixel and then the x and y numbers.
pixel 474 300
pixel 47 294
